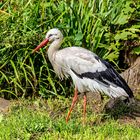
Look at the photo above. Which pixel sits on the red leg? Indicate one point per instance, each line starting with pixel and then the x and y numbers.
pixel 84 105
pixel 73 103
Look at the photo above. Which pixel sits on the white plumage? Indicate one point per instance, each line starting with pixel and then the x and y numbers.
pixel 80 60
pixel 87 70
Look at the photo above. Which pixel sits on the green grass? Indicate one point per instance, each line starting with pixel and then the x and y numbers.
pixel 45 120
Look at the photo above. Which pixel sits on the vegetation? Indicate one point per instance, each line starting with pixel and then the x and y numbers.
pixel 105 27
pixel 35 120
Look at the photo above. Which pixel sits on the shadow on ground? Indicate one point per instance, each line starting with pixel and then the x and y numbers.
pixel 118 110
pixel 114 108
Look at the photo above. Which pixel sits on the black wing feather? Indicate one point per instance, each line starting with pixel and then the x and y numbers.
pixel 115 78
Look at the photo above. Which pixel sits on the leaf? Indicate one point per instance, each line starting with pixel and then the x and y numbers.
pixel 125 15
pixel 1 118
pixel 112 56
pixel 79 36
pixel 122 19
pixel 123 35
pixel 15 70
pixel 136 50
pixel 135 26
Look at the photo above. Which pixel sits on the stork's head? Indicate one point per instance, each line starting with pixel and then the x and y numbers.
pixel 51 36
pixel 54 34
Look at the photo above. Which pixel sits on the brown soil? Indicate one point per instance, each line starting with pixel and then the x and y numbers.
pixel 4 105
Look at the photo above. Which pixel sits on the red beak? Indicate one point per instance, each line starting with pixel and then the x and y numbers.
pixel 42 44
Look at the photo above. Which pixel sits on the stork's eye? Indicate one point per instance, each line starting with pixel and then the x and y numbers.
pixel 50 35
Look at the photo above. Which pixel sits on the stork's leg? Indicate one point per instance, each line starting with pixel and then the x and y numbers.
pixel 73 103
pixel 84 106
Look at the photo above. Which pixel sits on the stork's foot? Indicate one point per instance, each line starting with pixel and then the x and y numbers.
pixel 73 103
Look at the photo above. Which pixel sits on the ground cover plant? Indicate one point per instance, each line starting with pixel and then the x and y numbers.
pixel 45 120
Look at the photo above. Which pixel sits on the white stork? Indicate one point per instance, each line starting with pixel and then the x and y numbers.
pixel 87 70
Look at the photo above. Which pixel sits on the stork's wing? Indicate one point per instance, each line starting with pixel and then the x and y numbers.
pixel 109 77
pixel 80 60
pixel 86 64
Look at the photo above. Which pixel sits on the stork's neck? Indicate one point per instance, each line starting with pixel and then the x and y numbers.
pixel 54 46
